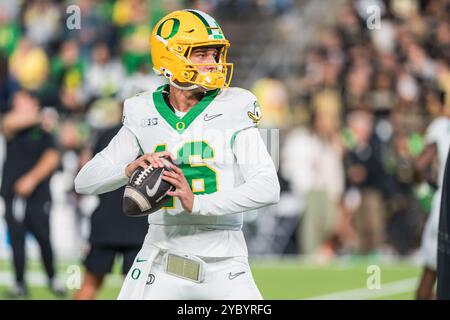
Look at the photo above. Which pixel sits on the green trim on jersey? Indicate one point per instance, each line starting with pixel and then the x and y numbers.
pixel 233 137
pixel 179 125
pixel 140 147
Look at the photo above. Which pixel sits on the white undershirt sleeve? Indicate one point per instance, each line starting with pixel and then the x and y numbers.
pixel 106 171
pixel 260 187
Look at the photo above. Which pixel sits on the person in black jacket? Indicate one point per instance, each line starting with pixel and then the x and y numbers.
pixel 31 158
pixel 112 234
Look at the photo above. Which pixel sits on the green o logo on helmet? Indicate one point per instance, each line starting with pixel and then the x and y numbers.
pixel 175 27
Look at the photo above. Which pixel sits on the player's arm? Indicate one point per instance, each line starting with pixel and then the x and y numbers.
pixel 105 172
pixel 111 168
pixel 261 186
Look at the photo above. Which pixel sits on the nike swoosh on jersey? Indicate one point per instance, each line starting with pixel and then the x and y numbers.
pixel 231 276
pixel 207 118
pixel 151 192
pixel 140 260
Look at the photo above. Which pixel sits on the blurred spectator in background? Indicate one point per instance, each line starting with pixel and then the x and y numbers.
pixel 273 98
pixel 10 31
pixel 382 97
pixel 95 23
pixel 288 214
pixel 365 176
pixel 66 79
pixel 437 146
pixel 350 27
pixel 8 85
pixel 312 163
pixel 42 22
pixel 105 74
pixel 402 201
pixel 31 158
pixel 29 65
pixel 132 17
pixel 73 135
pixel 440 41
pixel 357 80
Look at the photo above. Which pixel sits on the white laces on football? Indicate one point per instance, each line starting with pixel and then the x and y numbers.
pixel 140 178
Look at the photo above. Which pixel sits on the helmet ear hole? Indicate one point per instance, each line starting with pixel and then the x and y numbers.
pixel 188 75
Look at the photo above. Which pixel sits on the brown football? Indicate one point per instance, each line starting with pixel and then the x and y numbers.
pixel 146 191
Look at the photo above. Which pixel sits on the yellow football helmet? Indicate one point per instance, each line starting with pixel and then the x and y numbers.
pixel 172 41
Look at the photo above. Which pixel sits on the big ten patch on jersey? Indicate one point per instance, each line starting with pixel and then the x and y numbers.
pixel 148 122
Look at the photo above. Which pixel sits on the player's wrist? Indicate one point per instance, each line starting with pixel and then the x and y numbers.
pixel 128 170
pixel 190 202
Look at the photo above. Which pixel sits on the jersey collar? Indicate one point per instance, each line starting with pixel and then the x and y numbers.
pixel 180 125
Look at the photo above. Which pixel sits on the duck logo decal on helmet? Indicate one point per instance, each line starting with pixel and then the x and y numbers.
pixel 172 41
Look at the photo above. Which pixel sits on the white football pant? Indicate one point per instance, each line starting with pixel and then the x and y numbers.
pixel 221 279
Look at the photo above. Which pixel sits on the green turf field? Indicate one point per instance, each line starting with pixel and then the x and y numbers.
pixel 287 279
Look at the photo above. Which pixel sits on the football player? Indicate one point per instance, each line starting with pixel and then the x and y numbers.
pixel 194 248
pixel 443 259
pixel 437 141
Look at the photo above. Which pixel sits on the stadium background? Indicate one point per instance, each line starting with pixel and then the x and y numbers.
pixel 354 83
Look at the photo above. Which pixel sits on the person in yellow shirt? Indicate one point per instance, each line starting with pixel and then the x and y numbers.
pixel 29 65
pixel 273 97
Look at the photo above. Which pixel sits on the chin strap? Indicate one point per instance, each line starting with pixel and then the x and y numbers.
pixel 168 75
pixel 192 87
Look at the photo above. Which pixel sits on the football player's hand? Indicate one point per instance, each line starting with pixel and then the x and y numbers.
pixel 25 186
pixel 148 159
pixel 183 191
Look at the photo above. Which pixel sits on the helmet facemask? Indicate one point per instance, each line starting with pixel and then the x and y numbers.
pixel 220 77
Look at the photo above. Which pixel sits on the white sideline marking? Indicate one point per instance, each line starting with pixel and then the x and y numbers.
pixel 387 289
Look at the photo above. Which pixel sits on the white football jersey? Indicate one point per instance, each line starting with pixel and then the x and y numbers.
pixel 223 158
pixel 439 132
pixel 201 141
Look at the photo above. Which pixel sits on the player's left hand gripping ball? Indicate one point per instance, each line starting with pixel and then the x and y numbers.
pixel 146 191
